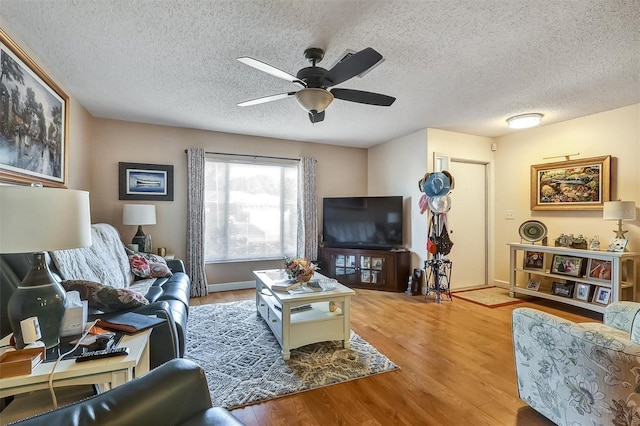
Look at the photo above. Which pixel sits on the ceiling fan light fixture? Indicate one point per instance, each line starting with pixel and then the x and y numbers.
pixel 313 99
pixel 524 121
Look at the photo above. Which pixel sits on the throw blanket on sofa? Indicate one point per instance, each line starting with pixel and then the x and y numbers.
pixel 105 261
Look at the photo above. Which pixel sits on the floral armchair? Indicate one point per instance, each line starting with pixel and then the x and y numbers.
pixel 579 374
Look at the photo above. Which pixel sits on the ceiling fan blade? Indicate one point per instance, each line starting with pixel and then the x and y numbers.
pixel 259 65
pixel 359 96
pixel 266 99
pixel 352 66
pixel 317 117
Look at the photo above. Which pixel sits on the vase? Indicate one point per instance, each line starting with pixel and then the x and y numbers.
pixel 303 278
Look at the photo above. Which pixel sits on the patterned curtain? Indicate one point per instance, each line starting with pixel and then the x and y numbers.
pixel 307 209
pixel 195 223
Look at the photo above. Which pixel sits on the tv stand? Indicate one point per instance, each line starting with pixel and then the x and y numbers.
pixel 386 270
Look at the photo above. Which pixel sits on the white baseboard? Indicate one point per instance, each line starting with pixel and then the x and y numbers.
pixel 240 285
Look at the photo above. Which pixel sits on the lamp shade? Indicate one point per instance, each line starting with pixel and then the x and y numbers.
pixel 619 210
pixel 312 99
pixel 139 214
pixel 34 219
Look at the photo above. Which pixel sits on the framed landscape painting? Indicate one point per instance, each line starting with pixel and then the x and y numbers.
pixel 151 182
pixel 33 121
pixel 571 185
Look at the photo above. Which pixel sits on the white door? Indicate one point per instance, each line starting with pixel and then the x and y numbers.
pixel 468 224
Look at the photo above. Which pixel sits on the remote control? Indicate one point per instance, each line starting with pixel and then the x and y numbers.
pixel 106 353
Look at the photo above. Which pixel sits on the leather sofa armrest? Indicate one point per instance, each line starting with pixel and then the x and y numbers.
pixel 170 394
pixel 176 265
pixel 164 341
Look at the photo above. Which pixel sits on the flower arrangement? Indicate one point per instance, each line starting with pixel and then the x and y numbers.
pixel 299 269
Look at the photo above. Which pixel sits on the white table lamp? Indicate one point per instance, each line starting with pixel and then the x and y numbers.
pixel 619 210
pixel 35 220
pixel 139 214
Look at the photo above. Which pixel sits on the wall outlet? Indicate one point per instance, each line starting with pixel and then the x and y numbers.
pixel 510 214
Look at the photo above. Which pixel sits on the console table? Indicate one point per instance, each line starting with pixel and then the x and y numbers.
pixel 537 278
pixel 319 323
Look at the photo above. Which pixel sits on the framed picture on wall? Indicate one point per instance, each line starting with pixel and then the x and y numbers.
pixel 571 185
pixel 151 182
pixel 33 121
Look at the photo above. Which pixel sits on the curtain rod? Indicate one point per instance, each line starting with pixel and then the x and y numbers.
pixel 249 155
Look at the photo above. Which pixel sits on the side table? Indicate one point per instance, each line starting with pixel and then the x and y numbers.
pixel 107 373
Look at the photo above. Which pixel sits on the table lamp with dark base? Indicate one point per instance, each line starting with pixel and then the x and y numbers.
pixel 35 220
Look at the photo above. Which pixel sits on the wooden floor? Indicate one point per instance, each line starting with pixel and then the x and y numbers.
pixel 456 366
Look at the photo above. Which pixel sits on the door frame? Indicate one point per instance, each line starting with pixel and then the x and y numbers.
pixel 441 162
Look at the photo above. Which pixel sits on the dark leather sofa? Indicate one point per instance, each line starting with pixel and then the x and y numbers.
pixel 175 393
pixel 168 299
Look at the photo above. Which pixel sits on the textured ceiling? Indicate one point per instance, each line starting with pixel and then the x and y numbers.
pixel 463 66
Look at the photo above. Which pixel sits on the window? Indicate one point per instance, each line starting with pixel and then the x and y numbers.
pixel 250 210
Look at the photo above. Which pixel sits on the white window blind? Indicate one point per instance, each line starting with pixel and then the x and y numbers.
pixel 250 209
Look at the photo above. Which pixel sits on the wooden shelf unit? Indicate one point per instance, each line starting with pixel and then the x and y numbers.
pixel 623 280
pixel 373 269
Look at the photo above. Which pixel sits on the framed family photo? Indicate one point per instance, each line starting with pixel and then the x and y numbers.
pixel 533 284
pixel 599 270
pixel 583 292
pixel 571 185
pixel 534 260
pixel 568 265
pixel 33 121
pixel 602 296
pixel 151 182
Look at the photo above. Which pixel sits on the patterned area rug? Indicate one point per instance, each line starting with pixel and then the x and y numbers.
pixel 492 297
pixel 243 360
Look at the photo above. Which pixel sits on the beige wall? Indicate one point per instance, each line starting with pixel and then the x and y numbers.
pixel 615 133
pixel 341 171
pixel 394 168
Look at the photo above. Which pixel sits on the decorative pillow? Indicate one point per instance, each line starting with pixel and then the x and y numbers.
pixel 105 298
pixel 148 265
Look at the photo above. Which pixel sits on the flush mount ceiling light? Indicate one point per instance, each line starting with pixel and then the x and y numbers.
pixel 524 121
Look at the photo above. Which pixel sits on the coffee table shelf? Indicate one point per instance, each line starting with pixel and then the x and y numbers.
pixel 296 329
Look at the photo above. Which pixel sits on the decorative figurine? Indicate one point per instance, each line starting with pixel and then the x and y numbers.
pixel 594 243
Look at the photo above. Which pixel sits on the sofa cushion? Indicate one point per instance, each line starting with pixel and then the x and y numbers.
pixel 105 261
pixel 105 298
pixel 147 265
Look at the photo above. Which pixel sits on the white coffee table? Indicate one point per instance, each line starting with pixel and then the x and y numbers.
pixel 296 329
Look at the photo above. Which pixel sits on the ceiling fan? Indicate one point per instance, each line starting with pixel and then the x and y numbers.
pixel 314 81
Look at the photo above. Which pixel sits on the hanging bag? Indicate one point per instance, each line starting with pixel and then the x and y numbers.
pixel 442 242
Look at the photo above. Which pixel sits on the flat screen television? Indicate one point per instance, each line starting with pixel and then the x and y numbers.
pixel 362 222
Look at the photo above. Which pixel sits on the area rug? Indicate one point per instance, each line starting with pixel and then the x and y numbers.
pixel 243 360
pixel 492 297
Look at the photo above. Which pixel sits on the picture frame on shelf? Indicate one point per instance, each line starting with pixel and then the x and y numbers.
pixel 149 182
pixel 533 284
pixel 563 289
pixel 599 270
pixel 602 296
pixel 583 184
pixel 568 265
pixel 35 122
pixel 618 245
pixel 583 292
pixel 534 260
